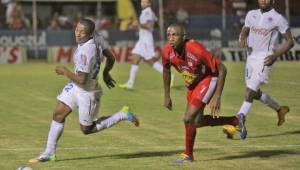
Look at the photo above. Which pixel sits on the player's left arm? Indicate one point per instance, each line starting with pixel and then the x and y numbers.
pixel 215 102
pixel 148 25
pixel 79 78
pixel 287 45
pixel 284 29
pixel 217 68
pixel 110 60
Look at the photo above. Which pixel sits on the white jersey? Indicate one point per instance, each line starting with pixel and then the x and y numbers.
pixel 146 15
pixel 264 29
pixel 86 59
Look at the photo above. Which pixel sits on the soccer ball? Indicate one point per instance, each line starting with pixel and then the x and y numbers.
pixel 24 168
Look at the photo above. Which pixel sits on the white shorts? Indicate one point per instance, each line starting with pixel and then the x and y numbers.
pixel 256 72
pixel 86 102
pixel 145 49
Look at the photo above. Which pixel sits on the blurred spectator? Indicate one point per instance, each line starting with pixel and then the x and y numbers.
pixel 54 25
pixel 10 5
pixel 16 20
pixel 182 17
pixel 2 16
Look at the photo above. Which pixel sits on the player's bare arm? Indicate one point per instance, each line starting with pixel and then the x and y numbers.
pixel 148 25
pixel 215 102
pixel 79 78
pixel 287 45
pixel 243 36
pixel 167 80
pixel 110 60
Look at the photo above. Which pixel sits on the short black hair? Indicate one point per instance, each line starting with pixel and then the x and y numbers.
pixel 180 26
pixel 89 25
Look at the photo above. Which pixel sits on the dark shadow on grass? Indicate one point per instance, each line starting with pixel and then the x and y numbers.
pixel 142 154
pixel 297 132
pixel 258 154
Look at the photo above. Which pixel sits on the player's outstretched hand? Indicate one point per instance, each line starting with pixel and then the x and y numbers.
pixel 60 70
pixel 215 105
pixel 168 103
pixel 270 60
pixel 109 81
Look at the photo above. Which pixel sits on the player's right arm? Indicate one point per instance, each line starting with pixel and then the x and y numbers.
pixel 80 78
pixel 166 79
pixel 243 36
pixel 245 32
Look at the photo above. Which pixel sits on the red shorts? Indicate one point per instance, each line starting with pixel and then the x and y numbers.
pixel 202 93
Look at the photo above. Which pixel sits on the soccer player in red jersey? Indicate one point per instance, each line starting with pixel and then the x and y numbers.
pixel 204 77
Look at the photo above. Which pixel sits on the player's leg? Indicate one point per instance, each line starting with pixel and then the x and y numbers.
pixel 196 101
pixel 281 111
pixel 208 120
pixel 56 129
pixel 66 103
pixel 190 133
pixel 89 106
pixel 135 60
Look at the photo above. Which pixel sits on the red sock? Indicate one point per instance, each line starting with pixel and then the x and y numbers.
pixel 222 120
pixel 190 134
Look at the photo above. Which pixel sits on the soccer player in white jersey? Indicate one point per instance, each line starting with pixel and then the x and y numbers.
pixel 83 91
pixel 144 48
pixel 258 35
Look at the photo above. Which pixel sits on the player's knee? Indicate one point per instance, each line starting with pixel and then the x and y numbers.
pixel 188 119
pixel 249 96
pixel 58 117
pixel 258 95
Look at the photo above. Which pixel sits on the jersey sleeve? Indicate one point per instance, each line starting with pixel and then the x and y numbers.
pixel 208 59
pixel 148 15
pixel 84 61
pixel 283 25
pixel 247 20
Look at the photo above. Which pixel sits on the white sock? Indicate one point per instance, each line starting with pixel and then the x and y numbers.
pixel 55 131
pixel 266 99
pixel 158 67
pixel 245 108
pixel 133 71
pixel 112 120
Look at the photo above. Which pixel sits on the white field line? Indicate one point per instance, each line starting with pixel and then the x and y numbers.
pixel 156 147
pixel 289 82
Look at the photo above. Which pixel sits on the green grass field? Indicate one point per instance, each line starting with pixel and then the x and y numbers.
pixel 28 95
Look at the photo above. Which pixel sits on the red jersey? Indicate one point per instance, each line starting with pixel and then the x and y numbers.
pixel 195 61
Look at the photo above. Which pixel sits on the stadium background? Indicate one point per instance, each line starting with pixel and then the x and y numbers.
pixel 47 34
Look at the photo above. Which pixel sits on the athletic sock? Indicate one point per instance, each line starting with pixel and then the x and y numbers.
pixel 208 120
pixel 267 99
pixel 55 131
pixel 110 121
pixel 190 134
pixel 245 108
pixel 132 75
pixel 158 67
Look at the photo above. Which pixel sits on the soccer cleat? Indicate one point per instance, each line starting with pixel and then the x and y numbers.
pixel 183 158
pixel 125 109
pixel 242 127
pixel 125 86
pixel 283 110
pixel 229 130
pixel 130 116
pixel 172 80
pixel 44 157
